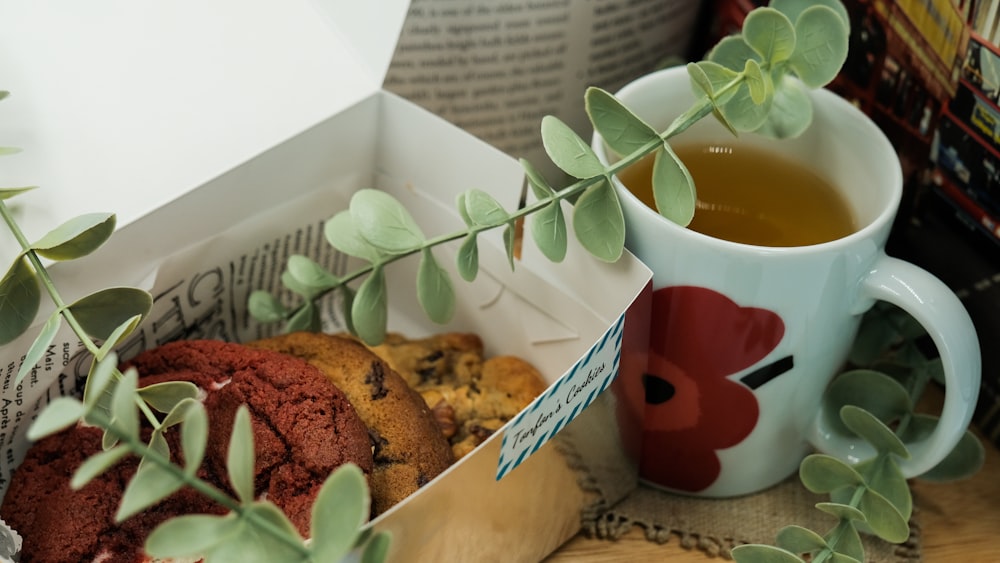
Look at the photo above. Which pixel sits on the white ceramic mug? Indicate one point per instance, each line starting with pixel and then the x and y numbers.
pixel 745 339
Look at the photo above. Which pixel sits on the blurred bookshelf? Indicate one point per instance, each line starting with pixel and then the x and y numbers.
pixel 928 73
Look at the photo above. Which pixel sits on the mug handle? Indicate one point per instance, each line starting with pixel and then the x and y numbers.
pixel 933 304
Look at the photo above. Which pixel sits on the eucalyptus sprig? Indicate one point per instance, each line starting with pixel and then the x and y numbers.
pixel 253 530
pixel 876 401
pixel 746 82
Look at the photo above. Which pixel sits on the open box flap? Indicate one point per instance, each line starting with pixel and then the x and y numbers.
pixel 122 106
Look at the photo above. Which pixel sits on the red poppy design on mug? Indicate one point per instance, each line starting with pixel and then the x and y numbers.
pixel 699 337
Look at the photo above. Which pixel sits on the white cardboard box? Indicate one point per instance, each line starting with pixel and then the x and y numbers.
pixel 215 219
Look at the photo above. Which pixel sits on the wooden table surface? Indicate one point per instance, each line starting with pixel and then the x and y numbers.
pixel 960 521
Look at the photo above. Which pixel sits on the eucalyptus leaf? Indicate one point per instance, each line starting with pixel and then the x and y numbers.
pixel 799 540
pixel 346 305
pixel 240 456
pixel 39 346
pixel 568 151
pixel 463 211
pixel 883 475
pixel 964 461
pixel 867 426
pixel 103 311
pixel 180 412
pixel 548 230
pixel 305 318
pixel 383 221
pixel 116 336
pixel 841 510
pixel 166 395
pixel 377 548
pixel 252 544
pixel 194 435
pixel 792 8
pixel 759 553
pixel 265 307
pixel 340 508
pixel 124 415
pixel 150 484
pixel 96 465
pixel 841 558
pixel 791 111
pixel 716 81
pixel 370 309
pixel 873 391
pixel 341 231
pixel 770 34
pixel 848 542
pixel 598 222
pixel 884 520
pixel 76 237
pixel 742 112
pixel 297 287
pixel 539 185
pixel 821 473
pixel 7 193
pixel 483 210
pixel 191 535
pixel 20 298
pixel 310 274
pixel 822 46
pixel 435 292
pixel 673 187
pixel 467 261
pixel 98 391
pixel 58 415
pixel 622 130
pixel 732 52
pixel 758 84
pixel 509 243
pixel 157 443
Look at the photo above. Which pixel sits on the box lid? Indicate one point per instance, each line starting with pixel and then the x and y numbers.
pixel 122 106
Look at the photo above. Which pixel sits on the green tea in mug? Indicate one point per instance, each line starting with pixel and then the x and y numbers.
pixel 750 196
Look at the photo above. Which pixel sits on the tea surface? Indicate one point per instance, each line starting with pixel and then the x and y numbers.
pixel 751 196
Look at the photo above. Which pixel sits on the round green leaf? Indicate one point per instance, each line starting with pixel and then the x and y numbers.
pixel 770 34
pixel 310 274
pixel 98 390
pixel 20 298
pixel 483 210
pixel 60 414
pixel 821 473
pixel 598 222
pixel 791 111
pixel 124 414
pixel 377 548
pixel 255 543
pixel 305 318
pixel 964 461
pixel 194 435
pixel 883 475
pixel 265 307
pixel 842 511
pixel 341 231
pixel 742 112
pixel 191 535
pixel 39 346
pixel 96 465
pixel 847 545
pixel 759 84
pixel 568 151
pixel 7 193
pixel 712 79
pixel 884 520
pixel 867 426
pixel 792 8
pixel 240 456
pixel 799 540
pixel 434 289
pixel 103 311
pixel 548 230
pixel 761 553
pixel 165 396
pixel 340 508
pixel 732 52
pixel 467 261
pixel 370 309
pixel 383 221
pixel 539 185
pixel 463 212
pixel 622 130
pixel 673 187
pixel 76 237
pixel 822 46
pixel 873 391
pixel 150 484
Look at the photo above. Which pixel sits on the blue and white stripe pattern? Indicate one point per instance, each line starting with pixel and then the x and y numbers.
pixel 562 402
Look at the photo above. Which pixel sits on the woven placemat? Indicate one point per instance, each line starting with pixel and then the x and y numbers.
pixel 717 525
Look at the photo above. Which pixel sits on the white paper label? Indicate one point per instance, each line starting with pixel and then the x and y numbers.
pixel 560 404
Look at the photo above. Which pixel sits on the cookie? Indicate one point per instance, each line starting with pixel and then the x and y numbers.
pixel 471 396
pixel 409 449
pixel 303 426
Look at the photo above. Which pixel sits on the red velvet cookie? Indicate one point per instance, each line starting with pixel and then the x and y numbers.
pixel 303 427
